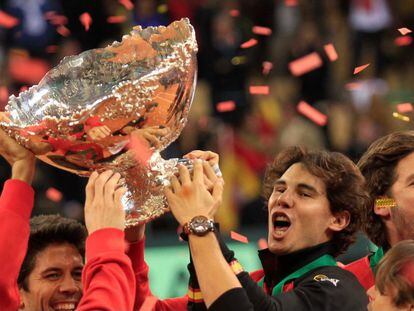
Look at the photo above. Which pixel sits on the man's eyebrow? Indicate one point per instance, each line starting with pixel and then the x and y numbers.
pixel 410 177
pixel 52 269
pixel 280 182
pixel 308 187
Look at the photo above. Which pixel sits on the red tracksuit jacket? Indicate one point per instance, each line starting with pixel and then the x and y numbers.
pixel 108 279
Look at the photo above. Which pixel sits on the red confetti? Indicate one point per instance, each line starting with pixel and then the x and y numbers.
pixel 51 49
pixel 360 68
pixel 291 2
pixel 226 106
pixel 263 31
pixel 54 195
pixel 331 52
pixel 127 4
pixel 352 86
pixel 262 243
pixel 141 149
pixel 404 31
pixel 55 19
pixel 86 20
pixel 234 13
pixel 238 237
pixel 4 94
pixel 8 21
pixel 149 303
pixel 248 44
pixel 404 107
pixel 267 66
pixel 259 90
pixel 403 41
pixel 116 19
pixel 312 114
pixel 305 64
pixel 63 31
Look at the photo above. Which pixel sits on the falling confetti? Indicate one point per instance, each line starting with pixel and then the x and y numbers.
pixel 56 19
pixel 86 20
pixel 238 237
pixel 4 94
pixel 141 149
pixel 8 21
pixel 63 31
pixel 404 107
pixel 305 64
pixel 267 67
pixel 234 13
pixel 116 19
pixel 404 31
pixel 401 117
pixel 331 52
pixel 226 106
pixel 360 68
pixel 149 303
pixel 127 4
pixel 403 41
pixel 311 113
pixel 248 44
pixel 263 31
pixel 352 86
pixel 291 2
pixel 259 90
pixel 51 49
pixel 54 195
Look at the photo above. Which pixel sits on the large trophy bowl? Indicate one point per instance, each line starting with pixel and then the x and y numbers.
pixel 83 114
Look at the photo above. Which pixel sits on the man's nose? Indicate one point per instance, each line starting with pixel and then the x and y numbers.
pixel 285 199
pixel 69 285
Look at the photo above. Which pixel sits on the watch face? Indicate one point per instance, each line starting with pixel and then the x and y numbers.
pixel 199 225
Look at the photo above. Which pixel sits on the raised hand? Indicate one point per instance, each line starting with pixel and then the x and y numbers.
pixel 103 208
pixel 21 160
pixel 188 196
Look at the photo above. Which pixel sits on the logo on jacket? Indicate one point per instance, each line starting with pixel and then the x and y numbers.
pixel 324 278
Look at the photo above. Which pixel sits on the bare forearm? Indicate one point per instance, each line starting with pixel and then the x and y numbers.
pixel 214 275
pixel 24 170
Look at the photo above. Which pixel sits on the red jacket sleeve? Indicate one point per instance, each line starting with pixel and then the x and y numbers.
pixel 135 251
pixel 108 279
pixel 16 204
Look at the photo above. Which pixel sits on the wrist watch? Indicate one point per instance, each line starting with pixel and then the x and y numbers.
pixel 199 225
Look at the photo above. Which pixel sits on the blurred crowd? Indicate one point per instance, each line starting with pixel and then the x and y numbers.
pixel 359 107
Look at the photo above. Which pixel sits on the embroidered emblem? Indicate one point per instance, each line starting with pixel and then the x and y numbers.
pixel 324 278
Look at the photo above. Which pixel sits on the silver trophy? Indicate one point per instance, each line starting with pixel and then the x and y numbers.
pixel 85 114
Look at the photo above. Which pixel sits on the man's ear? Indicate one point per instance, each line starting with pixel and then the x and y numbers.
pixel 383 205
pixel 340 221
pixel 21 297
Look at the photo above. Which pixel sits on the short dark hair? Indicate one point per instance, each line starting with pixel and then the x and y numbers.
pixel 46 230
pixel 390 273
pixel 345 186
pixel 378 165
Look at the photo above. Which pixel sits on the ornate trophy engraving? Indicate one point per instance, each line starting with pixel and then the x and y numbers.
pixel 83 113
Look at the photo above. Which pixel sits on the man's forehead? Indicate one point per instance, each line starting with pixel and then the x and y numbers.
pixel 60 256
pixel 298 175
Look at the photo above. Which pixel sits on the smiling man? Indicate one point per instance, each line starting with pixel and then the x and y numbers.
pixel 315 204
pixel 50 252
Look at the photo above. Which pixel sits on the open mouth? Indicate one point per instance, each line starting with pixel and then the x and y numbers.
pixel 64 306
pixel 281 224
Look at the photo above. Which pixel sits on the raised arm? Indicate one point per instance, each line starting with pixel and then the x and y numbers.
pixel 189 197
pixel 108 279
pixel 16 204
